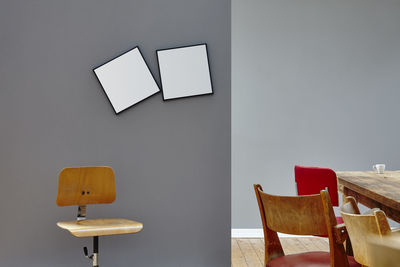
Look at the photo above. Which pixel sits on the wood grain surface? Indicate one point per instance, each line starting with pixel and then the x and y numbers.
pixel 86 185
pixel 249 252
pixel 101 227
pixel 300 215
pixel 373 190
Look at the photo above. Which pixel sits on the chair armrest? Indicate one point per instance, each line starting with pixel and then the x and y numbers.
pixel 340 233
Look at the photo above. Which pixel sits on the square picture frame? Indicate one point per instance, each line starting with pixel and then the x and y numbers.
pixel 184 71
pixel 126 80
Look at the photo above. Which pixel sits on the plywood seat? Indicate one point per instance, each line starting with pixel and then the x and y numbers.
pixel 101 227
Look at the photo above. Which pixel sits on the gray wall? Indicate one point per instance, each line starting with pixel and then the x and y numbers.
pixel 171 159
pixel 313 82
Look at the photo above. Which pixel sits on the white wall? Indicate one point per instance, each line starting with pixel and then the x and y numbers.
pixel 313 83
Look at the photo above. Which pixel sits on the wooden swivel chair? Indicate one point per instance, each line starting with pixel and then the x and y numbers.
pixel 361 227
pixel 82 186
pixel 301 215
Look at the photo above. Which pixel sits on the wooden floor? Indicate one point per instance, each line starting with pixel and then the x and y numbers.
pixel 250 252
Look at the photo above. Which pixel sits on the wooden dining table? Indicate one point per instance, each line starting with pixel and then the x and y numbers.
pixel 373 190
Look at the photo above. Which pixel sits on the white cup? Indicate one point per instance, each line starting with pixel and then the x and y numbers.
pixel 379 168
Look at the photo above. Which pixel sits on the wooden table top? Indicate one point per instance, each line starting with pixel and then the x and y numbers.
pixel 383 188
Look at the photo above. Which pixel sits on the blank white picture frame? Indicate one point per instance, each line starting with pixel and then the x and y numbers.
pixel 126 80
pixel 184 71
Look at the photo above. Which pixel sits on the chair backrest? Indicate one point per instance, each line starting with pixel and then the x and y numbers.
pixel 311 180
pixel 361 227
pixel 384 252
pixel 298 215
pixel 86 185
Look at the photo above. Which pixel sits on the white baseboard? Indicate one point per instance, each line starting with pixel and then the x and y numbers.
pixel 254 233
pixel 248 233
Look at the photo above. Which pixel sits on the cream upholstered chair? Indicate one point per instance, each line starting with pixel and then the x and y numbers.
pixel 82 186
pixel 385 251
pixel 361 227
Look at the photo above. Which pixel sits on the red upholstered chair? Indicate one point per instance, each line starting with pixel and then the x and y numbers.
pixel 311 180
pixel 301 215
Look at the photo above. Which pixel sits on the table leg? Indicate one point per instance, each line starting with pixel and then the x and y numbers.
pixel 348 247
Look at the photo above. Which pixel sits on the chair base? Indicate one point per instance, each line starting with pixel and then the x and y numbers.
pixel 95 251
pixel 95 256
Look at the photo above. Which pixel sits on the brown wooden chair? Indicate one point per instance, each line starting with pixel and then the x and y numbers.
pixel 301 215
pixel 361 227
pixel 384 252
pixel 82 186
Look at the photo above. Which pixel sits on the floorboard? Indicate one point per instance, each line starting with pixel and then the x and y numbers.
pixel 249 252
